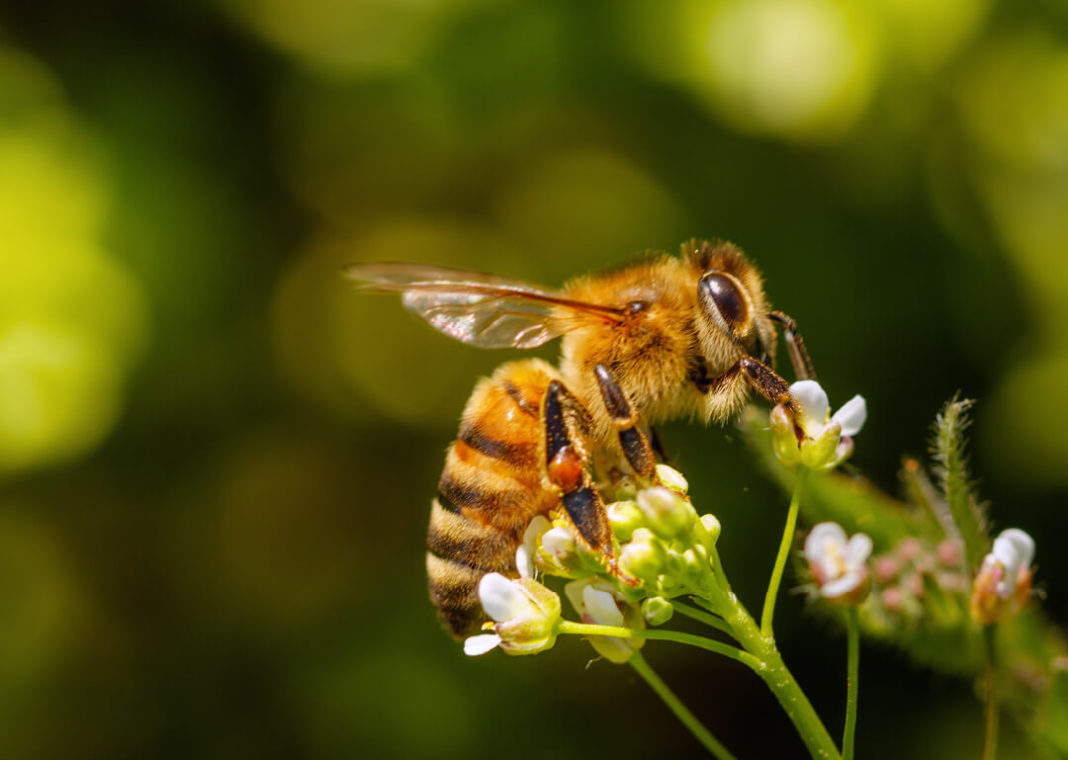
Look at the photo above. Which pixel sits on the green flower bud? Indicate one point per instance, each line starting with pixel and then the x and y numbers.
pixel 712 527
pixel 671 478
pixel 625 518
pixel 668 514
pixel 643 556
pixel 657 610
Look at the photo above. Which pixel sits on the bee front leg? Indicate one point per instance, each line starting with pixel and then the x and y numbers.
pixel 566 466
pixel 635 445
pixel 773 388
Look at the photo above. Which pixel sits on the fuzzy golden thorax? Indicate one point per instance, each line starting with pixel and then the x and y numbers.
pixel 670 334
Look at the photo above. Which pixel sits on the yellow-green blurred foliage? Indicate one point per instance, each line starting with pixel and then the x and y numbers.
pixel 216 460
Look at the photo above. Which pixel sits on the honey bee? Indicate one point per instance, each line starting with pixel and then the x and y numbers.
pixel 658 339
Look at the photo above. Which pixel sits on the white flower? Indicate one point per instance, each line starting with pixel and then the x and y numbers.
pixel 1013 549
pixel 524 555
pixel 826 439
pixel 1003 583
pixel 525 612
pixel 597 602
pixel 816 411
pixel 839 565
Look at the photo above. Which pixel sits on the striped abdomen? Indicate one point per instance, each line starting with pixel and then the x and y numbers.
pixel 493 484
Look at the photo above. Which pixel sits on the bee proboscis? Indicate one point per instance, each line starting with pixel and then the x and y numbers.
pixel 661 338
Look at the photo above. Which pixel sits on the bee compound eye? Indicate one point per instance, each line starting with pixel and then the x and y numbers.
pixel 720 290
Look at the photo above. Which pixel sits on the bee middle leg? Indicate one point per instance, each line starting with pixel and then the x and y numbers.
pixel 566 465
pixel 635 445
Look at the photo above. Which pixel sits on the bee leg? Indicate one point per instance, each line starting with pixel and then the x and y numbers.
pixel 635 446
pixel 795 345
pixel 566 467
pixel 773 388
pixel 658 445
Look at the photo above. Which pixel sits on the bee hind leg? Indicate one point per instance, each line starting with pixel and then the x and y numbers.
pixel 566 466
pixel 635 445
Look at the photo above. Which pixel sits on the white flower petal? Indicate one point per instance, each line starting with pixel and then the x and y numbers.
pixel 573 591
pixel 558 541
pixel 1006 552
pixel 524 561
pixel 852 415
pixel 501 598
pixel 601 607
pixel 814 405
pixel 858 550
pixel 839 586
pixel 524 555
pixel 480 644
pixel 824 537
pixel 1025 545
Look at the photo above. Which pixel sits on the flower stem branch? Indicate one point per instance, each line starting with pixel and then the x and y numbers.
pixel 713 621
pixel 783 685
pixel 852 671
pixel 709 742
pixel 990 743
pixel 590 629
pixel 784 552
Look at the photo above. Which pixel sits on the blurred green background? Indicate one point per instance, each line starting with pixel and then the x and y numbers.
pixel 216 460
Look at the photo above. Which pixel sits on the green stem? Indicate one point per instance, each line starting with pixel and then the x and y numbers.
pixel 782 684
pixel 701 616
pixel 589 629
pixel 852 670
pixel 641 667
pixel 990 744
pixel 784 552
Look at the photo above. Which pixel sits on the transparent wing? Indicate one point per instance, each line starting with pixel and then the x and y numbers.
pixel 479 309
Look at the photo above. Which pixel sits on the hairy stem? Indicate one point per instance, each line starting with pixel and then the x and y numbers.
pixel 852 671
pixel 709 742
pixel 784 552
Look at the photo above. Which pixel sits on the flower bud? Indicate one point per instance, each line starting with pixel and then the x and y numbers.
pixel 643 556
pixel 667 513
pixel 657 610
pixel 625 518
pixel 712 528
pixel 671 478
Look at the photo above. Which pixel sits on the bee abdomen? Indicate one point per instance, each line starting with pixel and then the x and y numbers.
pixel 460 552
pixel 492 486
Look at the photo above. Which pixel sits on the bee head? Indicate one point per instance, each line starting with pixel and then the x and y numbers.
pixel 732 311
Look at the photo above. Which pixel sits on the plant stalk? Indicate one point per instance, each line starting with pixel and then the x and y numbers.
pixel 687 718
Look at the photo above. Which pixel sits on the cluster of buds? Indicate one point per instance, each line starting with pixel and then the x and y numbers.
pixel 814 437
pixel 664 543
pixel 907 575
pixel 1003 582
pixel 839 564
pixel 665 550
